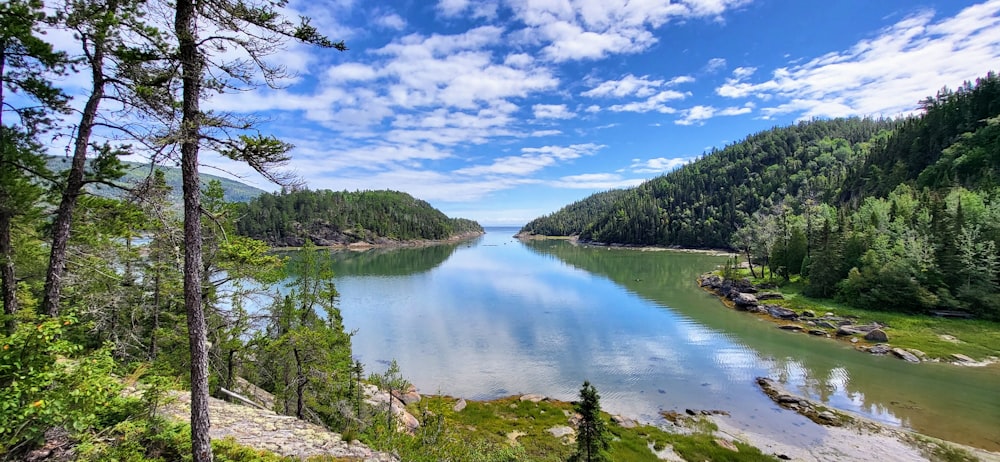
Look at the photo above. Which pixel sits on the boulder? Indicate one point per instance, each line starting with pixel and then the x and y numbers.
pixel 560 432
pixel 534 398
pixel 880 349
pixel 743 300
pixel 624 422
pixel 958 357
pixel 876 335
pixel 770 296
pixel 726 444
pixel 459 405
pixel 817 332
pixel 905 355
pixel 844 331
pixel 781 312
pixel 808 314
pixel 792 327
pixel 826 324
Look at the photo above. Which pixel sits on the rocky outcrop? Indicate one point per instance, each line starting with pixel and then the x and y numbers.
pixel 808 408
pixel 781 312
pixel 378 398
pixel 905 355
pixel 265 430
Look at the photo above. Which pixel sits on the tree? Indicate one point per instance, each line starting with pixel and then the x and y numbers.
pixel 25 62
pixel 592 439
pixel 256 28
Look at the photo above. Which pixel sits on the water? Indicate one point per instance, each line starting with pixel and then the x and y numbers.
pixel 496 317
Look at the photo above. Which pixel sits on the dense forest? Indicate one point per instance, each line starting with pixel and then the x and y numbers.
pixel 887 214
pixel 328 217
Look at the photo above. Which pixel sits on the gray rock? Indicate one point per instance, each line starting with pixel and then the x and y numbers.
pixel 827 415
pixel 534 398
pixel 744 300
pixel 808 314
pixel 624 422
pixel 879 349
pixel 905 355
pixel 459 405
pixel 726 444
pixel 791 327
pixel 817 332
pixel 560 432
pixel 844 331
pixel 781 312
pixel 826 324
pixel 770 296
pixel 876 335
pixel 962 358
pixel 788 399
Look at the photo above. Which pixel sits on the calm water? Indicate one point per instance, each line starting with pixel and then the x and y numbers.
pixel 496 317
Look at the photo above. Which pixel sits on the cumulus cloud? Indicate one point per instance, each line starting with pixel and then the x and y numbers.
pixel 699 114
pixel 391 21
pixel 595 181
pixel 532 160
pixel 657 103
pixel 886 74
pixel 552 111
pixel 658 164
pixel 714 65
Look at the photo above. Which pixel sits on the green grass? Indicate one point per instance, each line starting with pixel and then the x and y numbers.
pixel 484 431
pixel 976 337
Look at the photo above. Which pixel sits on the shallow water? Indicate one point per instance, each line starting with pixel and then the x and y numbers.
pixel 496 317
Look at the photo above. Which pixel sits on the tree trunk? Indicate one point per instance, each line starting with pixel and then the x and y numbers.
pixel 7 280
pixel 750 264
pixel 300 385
pixel 74 185
pixel 192 69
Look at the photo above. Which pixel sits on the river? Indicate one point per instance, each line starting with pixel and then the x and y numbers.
pixel 495 317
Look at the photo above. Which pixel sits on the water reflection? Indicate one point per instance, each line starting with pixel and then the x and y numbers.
pixel 500 318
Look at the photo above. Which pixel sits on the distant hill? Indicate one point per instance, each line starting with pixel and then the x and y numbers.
pixel 331 217
pixel 136 172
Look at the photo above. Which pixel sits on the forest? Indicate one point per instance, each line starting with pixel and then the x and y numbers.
pixel 899 215
pixel 328 217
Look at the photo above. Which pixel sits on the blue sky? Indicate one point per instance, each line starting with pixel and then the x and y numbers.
pixel 504 110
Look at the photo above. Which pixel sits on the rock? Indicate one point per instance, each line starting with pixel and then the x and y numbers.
pixel 792 327
pixel 876 335
pixel 781 312
pixel 560 432
pixel 744 300
pixel 854 340
pixel 407 398
pixel 787 399
pixel 962 358
pixel 409 423
pixel 880 349
pixel 949 338
pixel 808 314
pixel 827 415
pixel 917 353
pixel 844 331
pixel 459 405
pixel 770 296
pixel 534 398
pixel 727 444
pixel 905 355
pixel 826 324
pixel 866 327
pixel 690 412
pixel 624 422
pixel 817 332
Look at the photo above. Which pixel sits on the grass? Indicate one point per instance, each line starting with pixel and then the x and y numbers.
pixel 509 429
pixel 975 338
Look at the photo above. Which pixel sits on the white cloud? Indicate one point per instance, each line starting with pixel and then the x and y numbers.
pixel 349 72
pixel 595 181
pixel 656 103
pixel 714 65
pixel 478 9
pixel 699 114
pixel 532 160
pixel 541 133
pixel 886 74
pixel 391 21
pixel 659 164
pixel 626 86
pixel 593 29
pixel 552 111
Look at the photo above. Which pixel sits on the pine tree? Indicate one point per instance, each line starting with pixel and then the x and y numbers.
pixel 592 439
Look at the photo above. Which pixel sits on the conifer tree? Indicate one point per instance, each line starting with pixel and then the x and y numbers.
pixel 592 440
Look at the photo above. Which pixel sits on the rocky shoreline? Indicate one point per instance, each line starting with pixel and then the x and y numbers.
pixel 383 243
pixel 872 338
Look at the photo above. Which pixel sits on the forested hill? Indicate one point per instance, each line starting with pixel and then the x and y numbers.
pixel 341 217
pixel 135 172
pixel 836 162
pixel 702 203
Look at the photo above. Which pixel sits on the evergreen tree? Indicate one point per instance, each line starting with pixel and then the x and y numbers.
pixel 592 438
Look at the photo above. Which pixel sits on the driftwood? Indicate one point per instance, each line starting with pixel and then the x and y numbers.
pixel 242 399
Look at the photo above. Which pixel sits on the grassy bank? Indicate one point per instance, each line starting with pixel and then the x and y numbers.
pixel 937 337
pixel 509 429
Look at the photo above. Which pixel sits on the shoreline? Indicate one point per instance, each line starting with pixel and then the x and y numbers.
pixel 575 240
pixel 361 246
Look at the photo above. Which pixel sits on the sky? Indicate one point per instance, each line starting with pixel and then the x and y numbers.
pixel 505 110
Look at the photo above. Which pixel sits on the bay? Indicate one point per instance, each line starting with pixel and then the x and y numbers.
pixel 495 317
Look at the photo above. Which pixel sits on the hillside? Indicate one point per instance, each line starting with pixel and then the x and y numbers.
pixel 136 172
pixel 341 217
pixel 894 215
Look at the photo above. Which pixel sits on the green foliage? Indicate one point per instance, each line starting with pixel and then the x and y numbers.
pixel 291 217
pixel 592 438
pixel 50 381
